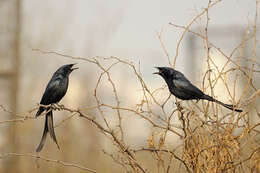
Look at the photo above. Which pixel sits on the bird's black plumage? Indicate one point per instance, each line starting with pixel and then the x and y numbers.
pixel 183 89
pixel 54 92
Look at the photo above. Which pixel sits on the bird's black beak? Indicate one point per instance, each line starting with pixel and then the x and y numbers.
pixel 159 72
pixel 74 67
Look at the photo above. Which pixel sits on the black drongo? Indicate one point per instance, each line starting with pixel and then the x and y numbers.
pixel 183 89
pixel 55 90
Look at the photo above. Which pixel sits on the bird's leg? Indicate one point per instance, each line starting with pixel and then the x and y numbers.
pixel 62 106
pixel 179 107
pixel 178 103
pixel 56 106
pixel 53 106
pixel 59 107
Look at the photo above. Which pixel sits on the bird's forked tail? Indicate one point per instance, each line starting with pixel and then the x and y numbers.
pixel 231 107
pixel 48 127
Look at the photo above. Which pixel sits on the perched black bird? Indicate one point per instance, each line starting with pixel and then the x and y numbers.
pixel 55 90
pixel 183 89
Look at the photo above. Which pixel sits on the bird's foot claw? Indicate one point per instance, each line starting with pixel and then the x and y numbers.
pixel 62 106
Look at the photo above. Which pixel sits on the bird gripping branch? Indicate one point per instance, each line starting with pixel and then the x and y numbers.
pixel 54 92
pixel 183 89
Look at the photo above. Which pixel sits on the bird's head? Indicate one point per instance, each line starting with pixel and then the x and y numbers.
pixel 165 72
pixel 66 69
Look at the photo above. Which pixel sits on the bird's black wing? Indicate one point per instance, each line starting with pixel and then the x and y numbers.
pixel 48 96
pixel 183 85
pixel 53 93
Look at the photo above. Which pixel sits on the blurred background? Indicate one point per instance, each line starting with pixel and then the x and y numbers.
pixel 84 28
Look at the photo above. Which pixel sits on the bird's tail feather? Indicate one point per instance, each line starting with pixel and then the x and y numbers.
pixel 44 135
pixel 48 127
pixel 231 107
pixel 51 129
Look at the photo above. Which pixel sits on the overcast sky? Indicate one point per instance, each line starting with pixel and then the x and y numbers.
pixel 120 28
